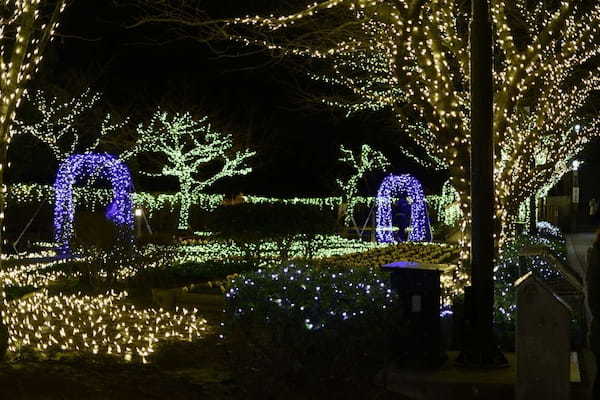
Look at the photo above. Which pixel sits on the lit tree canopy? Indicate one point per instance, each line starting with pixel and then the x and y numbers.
pixel 58 123
pixel 26 28
pixel 368 160
pixel 188 145
pixel 411 57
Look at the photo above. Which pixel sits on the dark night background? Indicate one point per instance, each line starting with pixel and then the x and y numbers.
pixel 254 97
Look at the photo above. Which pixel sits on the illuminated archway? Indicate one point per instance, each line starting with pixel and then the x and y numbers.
pixel 407 186
pixel 94 165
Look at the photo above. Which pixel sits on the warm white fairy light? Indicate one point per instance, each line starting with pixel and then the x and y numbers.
pixel 56 124
pixel 95 324
pixel 24 36
pixel 414 60
pixel 96 199
pixel 189 145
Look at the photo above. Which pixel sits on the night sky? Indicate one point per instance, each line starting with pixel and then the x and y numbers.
pixel 255 98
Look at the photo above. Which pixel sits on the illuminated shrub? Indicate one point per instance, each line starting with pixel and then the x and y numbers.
pixel 511 266
pixel 298 325
pixel 547 229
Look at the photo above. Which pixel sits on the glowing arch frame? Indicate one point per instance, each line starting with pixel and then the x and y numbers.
pixel 408 186
pixel 96 165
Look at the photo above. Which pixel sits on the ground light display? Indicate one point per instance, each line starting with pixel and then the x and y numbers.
pixel 96 324
pixel 285 200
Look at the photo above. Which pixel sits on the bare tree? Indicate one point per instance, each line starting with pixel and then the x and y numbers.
pixel 57 124
pixel 25 31
pixel 188 145
pixel 368 160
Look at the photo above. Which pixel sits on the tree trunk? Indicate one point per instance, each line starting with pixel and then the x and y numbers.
pixel 184 209
pixel 532 215
pixel 481 350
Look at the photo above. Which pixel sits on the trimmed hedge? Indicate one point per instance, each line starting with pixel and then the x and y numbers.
pixel 249 225
pixel 270 220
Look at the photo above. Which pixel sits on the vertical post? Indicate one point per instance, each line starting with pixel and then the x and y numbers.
pixel 139 214
pixel 482 350
pixel 575 197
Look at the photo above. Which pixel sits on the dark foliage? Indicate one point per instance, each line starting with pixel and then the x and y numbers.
pixel 249 225
pixel 284 341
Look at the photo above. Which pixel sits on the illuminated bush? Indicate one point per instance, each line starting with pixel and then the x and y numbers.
pixel 312 298
pixel 547 229
pixel 302 325
pixel 510 268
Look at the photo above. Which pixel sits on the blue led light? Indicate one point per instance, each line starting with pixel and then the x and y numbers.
pixel 409 187
pixel 95 165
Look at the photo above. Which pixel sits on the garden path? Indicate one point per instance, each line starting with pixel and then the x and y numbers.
pixel 577 247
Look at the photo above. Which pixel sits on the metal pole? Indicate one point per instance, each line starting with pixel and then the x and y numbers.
pixel 575 197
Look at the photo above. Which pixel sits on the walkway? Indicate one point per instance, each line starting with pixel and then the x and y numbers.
pixel 577 247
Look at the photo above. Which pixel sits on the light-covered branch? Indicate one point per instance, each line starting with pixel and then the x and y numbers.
pixel 410 57
pixel 369 160
pixel 188 145
pixel 57 123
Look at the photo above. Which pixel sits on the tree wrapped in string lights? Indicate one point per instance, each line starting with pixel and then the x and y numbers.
pixel 26 29
pixel 188 145
pixel 411 57
pixel 369 160
pixel 58 123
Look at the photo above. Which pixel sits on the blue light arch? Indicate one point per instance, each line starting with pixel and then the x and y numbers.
pixel 394 186
pixel 95 165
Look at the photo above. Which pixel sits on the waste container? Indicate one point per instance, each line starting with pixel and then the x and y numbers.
pixel 418 288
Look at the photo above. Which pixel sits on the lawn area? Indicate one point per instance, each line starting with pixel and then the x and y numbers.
pixel 107 327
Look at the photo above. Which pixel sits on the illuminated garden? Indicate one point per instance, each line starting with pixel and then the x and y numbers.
pixel 289 201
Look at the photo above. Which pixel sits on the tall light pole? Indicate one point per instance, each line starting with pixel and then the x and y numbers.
pixel 575 194
pixel 482 350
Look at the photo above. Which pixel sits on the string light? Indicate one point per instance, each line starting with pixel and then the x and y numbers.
pixel 446 205
pixel 24 36
pixel 414 61
pixel 94 198
pixel 512 266
pixel 409 187
pixel 95 324
pixel 369 160
pixel 314 297
pixel 189 145
pixel 57 125
pixel 94 166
